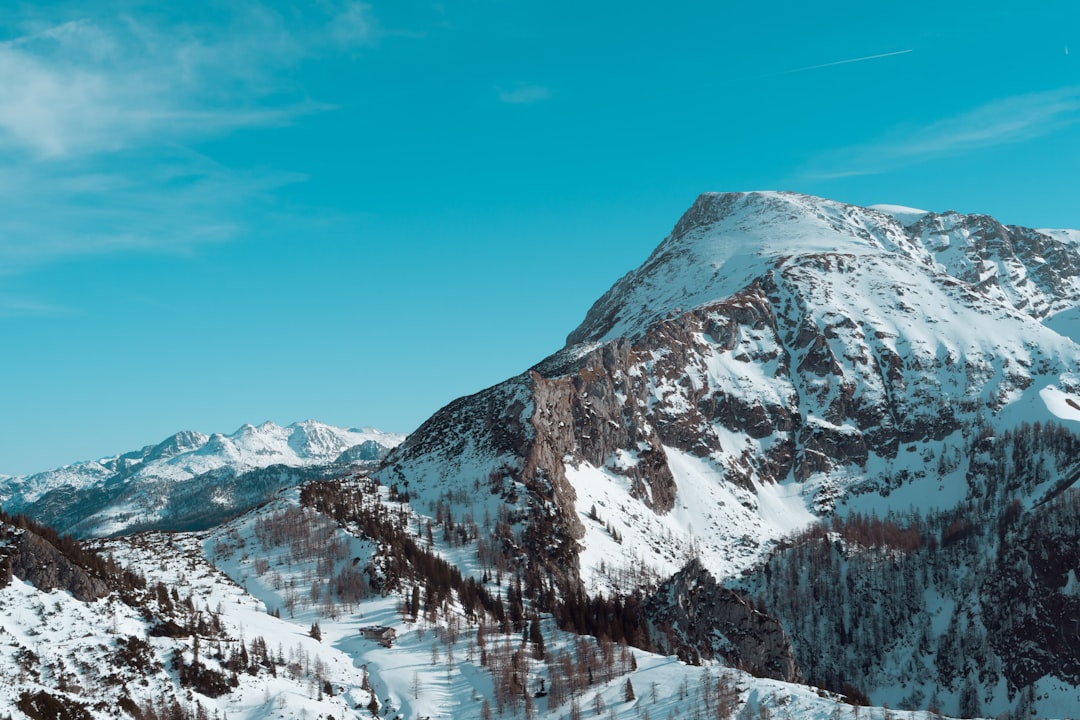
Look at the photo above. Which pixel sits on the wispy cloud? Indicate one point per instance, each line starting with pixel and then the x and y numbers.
pixel 99 113
pixel 101 84
pixel 526 94
pixel 353 24
pixel 23 307
pixel 1010 120
pixel 169 203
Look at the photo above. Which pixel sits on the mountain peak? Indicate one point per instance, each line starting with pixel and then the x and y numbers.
pixel 724 242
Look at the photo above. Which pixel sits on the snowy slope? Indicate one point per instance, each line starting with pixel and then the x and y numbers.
pixel 778 359
pixel 100 657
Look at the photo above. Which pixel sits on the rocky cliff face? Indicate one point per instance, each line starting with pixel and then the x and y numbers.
pixel 701 619
pixel 1034 271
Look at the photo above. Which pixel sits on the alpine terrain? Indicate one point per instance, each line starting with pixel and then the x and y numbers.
pixel 809 460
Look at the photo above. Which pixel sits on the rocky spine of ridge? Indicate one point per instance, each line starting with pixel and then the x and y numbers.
pixel 1034 271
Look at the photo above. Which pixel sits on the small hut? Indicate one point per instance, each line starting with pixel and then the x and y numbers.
pixel 381 634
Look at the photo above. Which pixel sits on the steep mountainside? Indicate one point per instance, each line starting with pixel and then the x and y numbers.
pixel 778 359
pixel 284 613
pixel 162 635
pixel 190 479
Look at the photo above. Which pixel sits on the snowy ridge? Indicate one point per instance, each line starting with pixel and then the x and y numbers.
pixel 188 453
pixel 906 215
pixel 779 359
pixel 726 239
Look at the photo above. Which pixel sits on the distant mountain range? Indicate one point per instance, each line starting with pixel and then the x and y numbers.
pixel 190 479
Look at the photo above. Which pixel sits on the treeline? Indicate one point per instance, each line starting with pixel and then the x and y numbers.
pixel 310 539
pixel 859 598
pixel 867 531
pixel 1018 462
pixel 358 505
pixel 511 594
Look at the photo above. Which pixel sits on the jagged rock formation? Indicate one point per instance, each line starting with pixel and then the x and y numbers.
pixel 778 359
pixel 704 620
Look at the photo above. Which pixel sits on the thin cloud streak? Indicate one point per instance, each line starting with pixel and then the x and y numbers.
pixel 100 85
pixel 164 204
pixel 1002 122
pixel 843 62
pixel 20 307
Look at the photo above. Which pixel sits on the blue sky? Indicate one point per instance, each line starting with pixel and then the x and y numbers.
pixel 356 212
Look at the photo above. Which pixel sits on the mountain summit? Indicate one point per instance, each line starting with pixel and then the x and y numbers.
pixel 725 240
pixel 818 442
pixel 779 360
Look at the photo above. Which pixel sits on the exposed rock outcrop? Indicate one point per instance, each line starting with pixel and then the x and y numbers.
pixel 33 559
pixel 703 619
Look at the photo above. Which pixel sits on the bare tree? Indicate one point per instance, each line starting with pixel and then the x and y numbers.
pixel 415 686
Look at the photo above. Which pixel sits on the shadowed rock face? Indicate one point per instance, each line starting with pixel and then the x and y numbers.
pixel 703 619
pixel 32 559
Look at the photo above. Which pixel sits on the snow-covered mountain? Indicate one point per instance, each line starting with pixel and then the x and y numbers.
pixel 778 355
pixel 777 359
pixel 190 478
pixel 265 617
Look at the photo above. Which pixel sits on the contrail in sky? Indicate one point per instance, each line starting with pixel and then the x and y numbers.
pixel 845 62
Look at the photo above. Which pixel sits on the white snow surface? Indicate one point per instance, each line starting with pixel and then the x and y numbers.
pixel 879 289
pixel 727 527
pixel 1063 405
pixel 906 215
